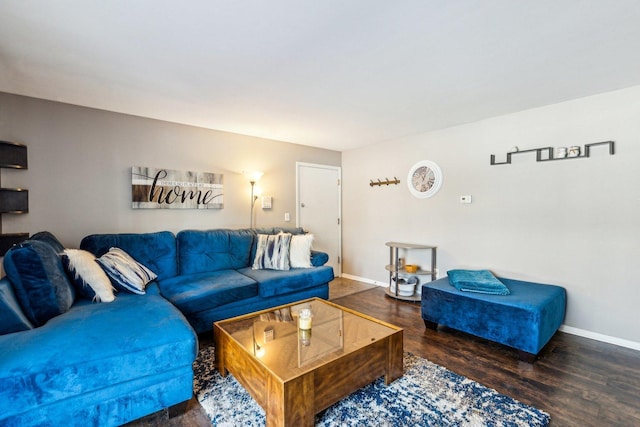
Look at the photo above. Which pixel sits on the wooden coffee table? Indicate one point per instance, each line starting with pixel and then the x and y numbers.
pixel 294 374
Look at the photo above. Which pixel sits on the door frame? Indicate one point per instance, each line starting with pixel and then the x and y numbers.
pixel 338 169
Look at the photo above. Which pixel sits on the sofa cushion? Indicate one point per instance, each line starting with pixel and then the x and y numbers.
pixel 192 293
pixel 12 319
pixel 318 259
pixel 39 280
pixel 203 320
pixel 272 252
pixel 300 251
pixel 157 251
pixel 91 347
pixel 276 230
pixel 202 251
pixel 89 279
pixel 50 239
pixel 125 272
pixel 276 282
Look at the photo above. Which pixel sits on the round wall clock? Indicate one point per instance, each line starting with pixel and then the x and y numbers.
pixel 425 179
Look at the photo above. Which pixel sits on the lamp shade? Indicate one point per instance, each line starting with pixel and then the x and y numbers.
pixel 253 176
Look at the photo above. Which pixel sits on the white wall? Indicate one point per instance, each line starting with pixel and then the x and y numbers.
pixel 574 223
pixel 80 160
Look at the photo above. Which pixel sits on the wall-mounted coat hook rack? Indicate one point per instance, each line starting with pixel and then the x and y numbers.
pixel 387 181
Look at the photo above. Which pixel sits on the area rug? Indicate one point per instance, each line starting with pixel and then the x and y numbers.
pixel 427 395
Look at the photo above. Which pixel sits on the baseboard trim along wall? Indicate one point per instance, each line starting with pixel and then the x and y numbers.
pixel 363 280
pixel 601 337
pixel 564 328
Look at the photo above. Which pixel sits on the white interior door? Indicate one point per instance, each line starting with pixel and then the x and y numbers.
pixel 318 208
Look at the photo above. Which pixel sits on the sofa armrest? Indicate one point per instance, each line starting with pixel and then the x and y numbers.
pixel 318 259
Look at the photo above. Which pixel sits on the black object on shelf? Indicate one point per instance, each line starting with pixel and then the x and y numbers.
pixel 542 157
pixel 13 155
pixel 9 239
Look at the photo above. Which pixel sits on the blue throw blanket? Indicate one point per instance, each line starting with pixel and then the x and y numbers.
pixel 481 281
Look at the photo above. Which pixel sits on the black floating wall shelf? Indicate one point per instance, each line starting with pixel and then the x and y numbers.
pixel 546 154
pixel 7 240
pixel 12 200
pixel 12 155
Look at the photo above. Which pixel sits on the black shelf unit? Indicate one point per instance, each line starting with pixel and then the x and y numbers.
pixel 7 240
pixel 545 154
pixel 13 156
pixel 13 200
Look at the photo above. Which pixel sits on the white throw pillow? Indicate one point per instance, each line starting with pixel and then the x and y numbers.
pixel 88 277
pixel 300 250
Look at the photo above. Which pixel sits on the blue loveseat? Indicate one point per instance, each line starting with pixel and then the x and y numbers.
pixel 109 363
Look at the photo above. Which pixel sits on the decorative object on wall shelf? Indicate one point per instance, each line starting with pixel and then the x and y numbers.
pixel 387 181
pixel 561 153
pixel 13 200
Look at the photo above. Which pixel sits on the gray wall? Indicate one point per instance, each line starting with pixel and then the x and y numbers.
pixel 80 160
pixel 574 223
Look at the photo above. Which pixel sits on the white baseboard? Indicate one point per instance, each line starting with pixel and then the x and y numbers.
pixel 564 328
pixel 362 279
pixel 600 337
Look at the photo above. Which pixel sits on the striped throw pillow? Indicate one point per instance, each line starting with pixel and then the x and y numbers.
pixel 125 272
pixel 272 252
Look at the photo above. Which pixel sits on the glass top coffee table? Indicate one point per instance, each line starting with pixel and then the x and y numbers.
pixel 295 367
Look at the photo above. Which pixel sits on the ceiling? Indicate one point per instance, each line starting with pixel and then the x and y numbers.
pixel 328 73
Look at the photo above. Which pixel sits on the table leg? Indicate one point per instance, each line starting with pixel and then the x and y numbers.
pixel 218 337
pixel 394 368
pixel 291 403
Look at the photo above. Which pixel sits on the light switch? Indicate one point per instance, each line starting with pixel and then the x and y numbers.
pixel 465 199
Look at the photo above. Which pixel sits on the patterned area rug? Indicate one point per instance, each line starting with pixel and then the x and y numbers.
pixel 427 395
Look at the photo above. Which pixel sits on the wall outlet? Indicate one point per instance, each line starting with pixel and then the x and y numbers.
pixel 465 199
pixel 287 217
pixel 268 334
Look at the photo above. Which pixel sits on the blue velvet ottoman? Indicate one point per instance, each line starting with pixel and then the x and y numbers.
pixel 525 320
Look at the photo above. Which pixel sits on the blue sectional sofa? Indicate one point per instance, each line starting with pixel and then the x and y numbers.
pixel 526 319
pixel 65 360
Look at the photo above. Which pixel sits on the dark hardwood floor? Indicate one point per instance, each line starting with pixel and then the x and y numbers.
pixel 580 382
